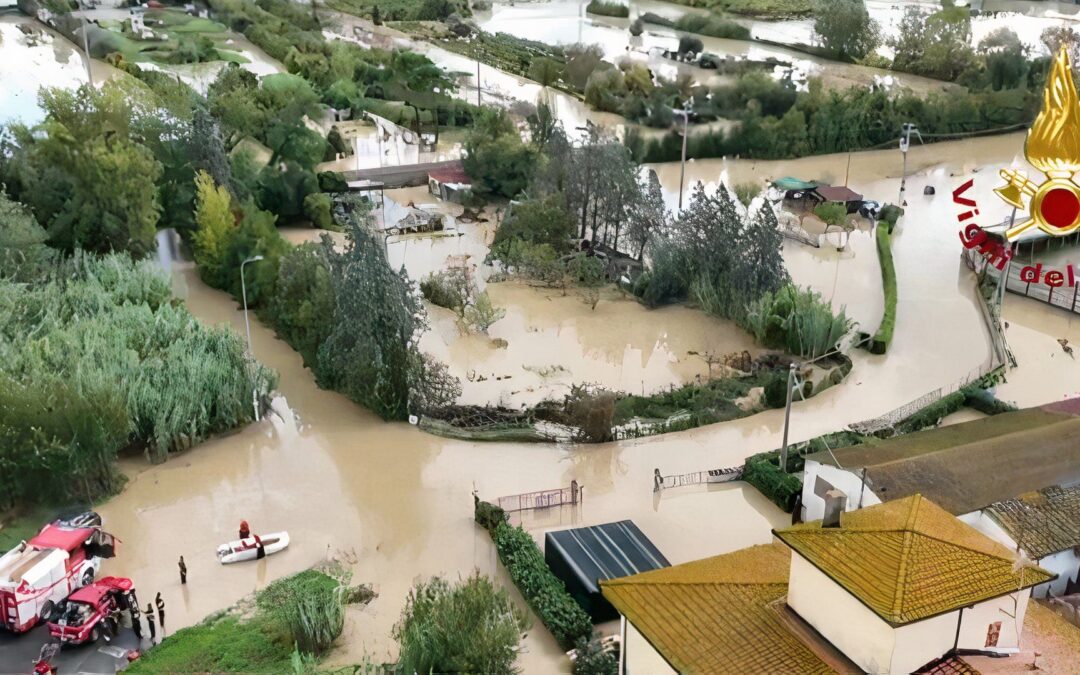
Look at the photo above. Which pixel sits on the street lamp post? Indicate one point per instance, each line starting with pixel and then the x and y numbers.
pixel 905 143
pixel 247 327
pixel 685 112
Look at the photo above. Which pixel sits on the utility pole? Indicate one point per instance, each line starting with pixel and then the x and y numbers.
pixel 905 142
pixel 86 50
pixel 685 112
pixel 247 326
pixel 477 83
pixel 787 417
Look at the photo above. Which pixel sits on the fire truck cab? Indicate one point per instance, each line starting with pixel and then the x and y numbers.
pixel 64 556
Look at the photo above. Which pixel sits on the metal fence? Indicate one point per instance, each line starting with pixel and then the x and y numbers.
pixel 792 231
pixel 661 482
pixel 542 499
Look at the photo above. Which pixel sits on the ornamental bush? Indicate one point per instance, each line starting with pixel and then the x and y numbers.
pixel 763 472
pixel 544 592
pixel 881 340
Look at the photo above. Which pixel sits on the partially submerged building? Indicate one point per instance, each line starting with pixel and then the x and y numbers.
pixel 449 183
pixel 893 588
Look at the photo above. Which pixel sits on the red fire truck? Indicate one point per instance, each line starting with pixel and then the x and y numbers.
pixel 65 555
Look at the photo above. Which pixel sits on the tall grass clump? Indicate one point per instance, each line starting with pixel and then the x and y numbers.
pixel 797 321
pixel 713 26
pixel 311 607
pixel 606 8
pixel 97 355
pixel 469 627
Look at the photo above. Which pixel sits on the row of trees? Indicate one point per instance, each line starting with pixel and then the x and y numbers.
pixel 714 253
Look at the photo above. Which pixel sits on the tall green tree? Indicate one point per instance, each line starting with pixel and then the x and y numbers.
pixel 84 174
pixel 376 362
pixel 845 27
pixel 499 163
pixel 936 45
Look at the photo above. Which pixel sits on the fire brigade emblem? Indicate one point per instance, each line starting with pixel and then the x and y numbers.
pixel 1052 147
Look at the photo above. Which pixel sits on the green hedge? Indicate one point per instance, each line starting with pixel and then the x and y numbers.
pixel 605 8
pixel 932 414
pixel 544 592
pixel 985 402
pixel 881 340
pixel 763 472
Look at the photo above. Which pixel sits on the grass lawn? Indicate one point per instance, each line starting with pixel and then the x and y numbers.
pixel 22 527
pixel 238 641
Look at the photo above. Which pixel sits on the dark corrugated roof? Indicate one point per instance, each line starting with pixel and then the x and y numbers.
pixel 1043 522
pixel 606 551
pixel 966 467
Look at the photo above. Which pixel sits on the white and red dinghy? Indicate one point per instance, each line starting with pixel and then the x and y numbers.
pixel 248 548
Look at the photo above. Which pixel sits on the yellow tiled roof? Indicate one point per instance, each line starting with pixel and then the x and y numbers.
pixel 713 615
pixel 909 559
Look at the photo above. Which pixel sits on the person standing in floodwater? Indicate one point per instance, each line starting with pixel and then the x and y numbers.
pixel 160 602
pixel 245 531
pixel 183 571
pixel 150 622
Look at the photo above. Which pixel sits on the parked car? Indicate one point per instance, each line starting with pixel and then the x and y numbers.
pixel 88 613
pixel 869 209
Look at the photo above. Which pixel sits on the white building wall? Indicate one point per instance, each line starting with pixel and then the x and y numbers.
pixel 848 482
pixel 978 619
pixel 1065 564
pixel 844 621
pixel 639 656
pixel 921 642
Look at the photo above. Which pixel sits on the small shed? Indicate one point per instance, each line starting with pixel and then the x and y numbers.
pixel 449 183
pixel 839 194
pixel 583 557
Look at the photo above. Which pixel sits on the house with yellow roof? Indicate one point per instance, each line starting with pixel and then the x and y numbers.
pixel 899 587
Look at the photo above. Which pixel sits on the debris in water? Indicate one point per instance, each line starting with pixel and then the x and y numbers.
pixel 1065 347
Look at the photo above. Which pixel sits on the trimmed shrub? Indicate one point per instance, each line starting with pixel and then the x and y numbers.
pixel 763 472
pixel 544 592
pixel 881 340
pixel 985 402
pixel 776 390
pixel 932 414
pixel 487 515
pixel 605 8
pixel 591 659
pixel 889 214
pixel 470 627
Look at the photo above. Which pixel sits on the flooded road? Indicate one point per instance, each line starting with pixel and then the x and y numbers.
pixel 397 501
pixel 565 22
pixel 26 65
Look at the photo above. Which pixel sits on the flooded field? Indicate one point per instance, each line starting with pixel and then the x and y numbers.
pixel 26 65
pixel 565 22
pixel 395 503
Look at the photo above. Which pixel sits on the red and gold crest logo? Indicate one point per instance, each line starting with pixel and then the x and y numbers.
pixel 1052 147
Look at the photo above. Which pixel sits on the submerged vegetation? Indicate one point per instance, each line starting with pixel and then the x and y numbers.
pixel 468 627
pixel 268 640
pixel 99 357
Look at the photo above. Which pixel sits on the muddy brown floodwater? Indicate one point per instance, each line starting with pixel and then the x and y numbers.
pixel 395 503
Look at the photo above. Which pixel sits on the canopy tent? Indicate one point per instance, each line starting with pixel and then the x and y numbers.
pixel 788 183
pixel 585 556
